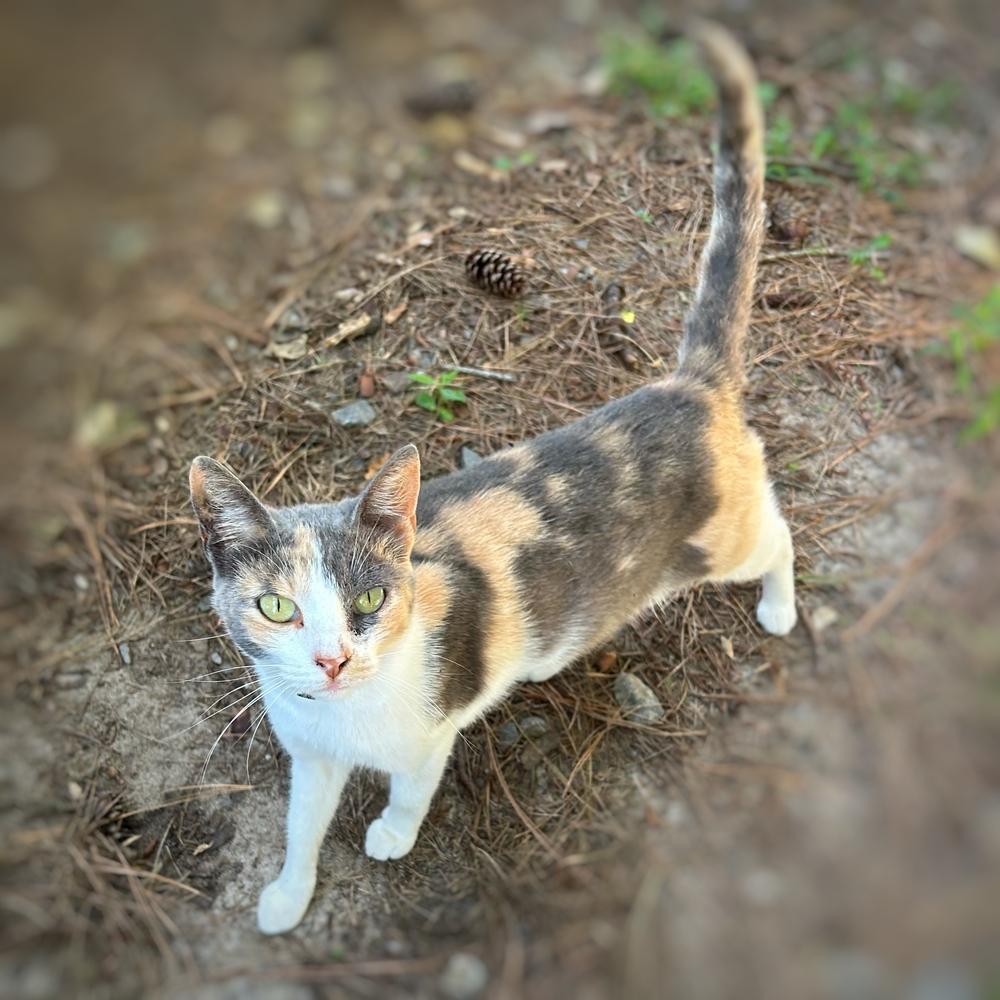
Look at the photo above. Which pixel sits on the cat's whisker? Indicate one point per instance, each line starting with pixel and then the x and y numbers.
pixel 218 739
pixel 253 734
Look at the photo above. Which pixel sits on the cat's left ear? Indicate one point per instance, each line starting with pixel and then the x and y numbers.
pixel 389 502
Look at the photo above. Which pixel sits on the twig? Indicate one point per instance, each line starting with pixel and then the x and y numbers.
pixel 485 373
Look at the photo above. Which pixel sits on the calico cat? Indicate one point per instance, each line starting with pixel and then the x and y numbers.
pixel 382 625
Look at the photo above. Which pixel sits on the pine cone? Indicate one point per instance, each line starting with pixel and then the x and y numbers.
pixel 495 272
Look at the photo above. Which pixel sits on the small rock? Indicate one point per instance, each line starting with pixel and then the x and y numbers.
pixel 125 653
pixel 396 382
pixel 360 413
pixel 534 726
pixel 979 243
pixel 469 457
pixel 823 617
pixel 80 582
pixel 70 681
pixel 465 975
pixel 292 319
pixel 508 734
pixel 216 658
pixel 75 790
pixel 637 700
pixel 339 187
pixel 267 209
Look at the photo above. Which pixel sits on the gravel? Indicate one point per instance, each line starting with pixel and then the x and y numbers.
pixel 360 413
pixel 637 700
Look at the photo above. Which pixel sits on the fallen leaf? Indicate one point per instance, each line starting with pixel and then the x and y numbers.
pixel 375 464
pixel 351 328
pixel 395 312
pixel 555 166
pixel 464 160
pixel 606 661
pixel 200 849
pixel 288 350
pixel 727 647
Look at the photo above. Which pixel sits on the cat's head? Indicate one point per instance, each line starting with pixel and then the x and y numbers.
pixel 315 595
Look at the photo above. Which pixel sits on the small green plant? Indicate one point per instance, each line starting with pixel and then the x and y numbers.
pixel 523 159
pixel 778 144
pixel 856 136
pixel 438 394
pixel 643 214
pixel 977 329
pixel 867 255
pixel 667 75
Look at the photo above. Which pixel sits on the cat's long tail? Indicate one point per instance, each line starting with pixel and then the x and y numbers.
pixel 716 325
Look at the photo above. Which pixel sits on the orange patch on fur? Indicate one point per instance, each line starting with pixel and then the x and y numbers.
pixel 469 525
pixel 739 476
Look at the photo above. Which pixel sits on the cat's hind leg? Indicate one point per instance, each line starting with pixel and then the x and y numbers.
pixel 776 608
pixel 772 561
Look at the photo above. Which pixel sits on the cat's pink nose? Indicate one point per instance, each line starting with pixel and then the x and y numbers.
pixel 332 665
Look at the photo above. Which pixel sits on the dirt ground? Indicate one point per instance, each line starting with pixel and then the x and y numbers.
pixel 195 200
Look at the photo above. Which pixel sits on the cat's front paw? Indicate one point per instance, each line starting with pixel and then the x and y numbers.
pixel 282 905
pixel 383 843
pixel 776 617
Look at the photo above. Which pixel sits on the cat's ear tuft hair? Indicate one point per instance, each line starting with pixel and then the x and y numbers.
pixel 389 502
pixel 228 513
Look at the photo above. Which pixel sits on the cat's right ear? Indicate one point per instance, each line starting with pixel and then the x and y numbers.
pixel 229 515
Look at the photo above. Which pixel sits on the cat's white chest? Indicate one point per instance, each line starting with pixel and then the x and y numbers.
pixel 356 730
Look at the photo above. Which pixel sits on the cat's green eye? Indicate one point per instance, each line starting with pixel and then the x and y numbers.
pixel 370 601
pixel 277 608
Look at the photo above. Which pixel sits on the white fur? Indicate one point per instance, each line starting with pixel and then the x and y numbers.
pixel 771 559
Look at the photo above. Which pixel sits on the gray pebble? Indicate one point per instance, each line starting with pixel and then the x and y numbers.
pixel 69 681
pixel 465 975
pixel 637 700
pixel 397 382
pixel 508 734
pixel 360 413
pixel 216 658
pixel 534 726
pixel 125 653
pixel 469 457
